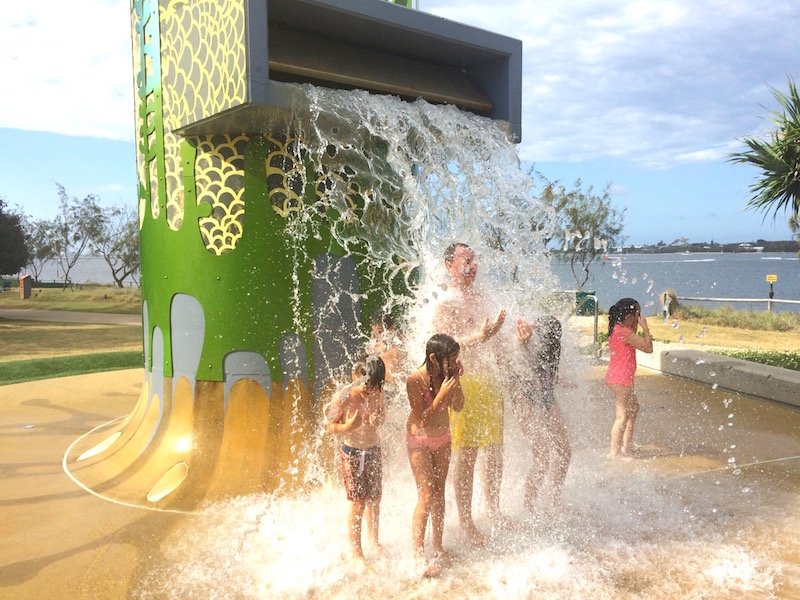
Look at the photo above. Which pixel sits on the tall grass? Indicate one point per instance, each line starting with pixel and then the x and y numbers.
pixel 741 319
pixel 87 298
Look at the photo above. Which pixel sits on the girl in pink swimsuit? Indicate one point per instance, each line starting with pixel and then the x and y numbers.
pixel 432 389
pixel 624 319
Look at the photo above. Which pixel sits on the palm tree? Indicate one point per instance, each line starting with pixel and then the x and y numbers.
pixel 794 225
pixel 778 158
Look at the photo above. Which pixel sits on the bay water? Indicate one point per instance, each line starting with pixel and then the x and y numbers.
pixel 640 276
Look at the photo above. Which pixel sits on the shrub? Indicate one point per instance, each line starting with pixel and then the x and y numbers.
pixel 785 360
pixel 742 319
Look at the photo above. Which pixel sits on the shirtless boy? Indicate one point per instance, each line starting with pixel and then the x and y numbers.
pixel 355 414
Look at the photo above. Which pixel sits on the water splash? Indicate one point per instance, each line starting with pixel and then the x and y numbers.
pixel 428 176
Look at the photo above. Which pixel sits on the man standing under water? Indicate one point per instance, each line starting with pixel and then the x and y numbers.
pixel 464 314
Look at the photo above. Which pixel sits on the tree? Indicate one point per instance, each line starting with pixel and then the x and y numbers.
pixel 13 248
pixel 778 159
pixel 72 229
pixel 39 238
pixel 585 224
pixel 115 237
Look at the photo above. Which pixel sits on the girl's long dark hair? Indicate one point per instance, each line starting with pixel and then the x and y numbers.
pixel 440 345
pixel 620 310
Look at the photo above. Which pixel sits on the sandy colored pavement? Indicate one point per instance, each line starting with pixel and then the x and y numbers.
pixel 58 541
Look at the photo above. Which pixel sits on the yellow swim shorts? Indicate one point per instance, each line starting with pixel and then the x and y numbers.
pixel 480 423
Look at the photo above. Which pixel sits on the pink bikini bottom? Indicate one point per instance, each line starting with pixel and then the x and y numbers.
pixel 433 443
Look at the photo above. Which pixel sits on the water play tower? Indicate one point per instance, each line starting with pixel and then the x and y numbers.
pixel 245 326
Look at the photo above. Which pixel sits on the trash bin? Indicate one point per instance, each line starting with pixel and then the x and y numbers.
pixel 25 284
pixel 584 304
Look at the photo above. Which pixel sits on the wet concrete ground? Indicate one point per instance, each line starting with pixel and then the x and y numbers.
pixel 59 541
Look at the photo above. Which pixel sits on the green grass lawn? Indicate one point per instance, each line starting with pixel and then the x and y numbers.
pixel 18 371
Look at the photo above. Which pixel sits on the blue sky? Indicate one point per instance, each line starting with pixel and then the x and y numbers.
pixel 649 97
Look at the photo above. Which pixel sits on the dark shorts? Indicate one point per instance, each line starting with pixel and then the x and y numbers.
pixel 362 471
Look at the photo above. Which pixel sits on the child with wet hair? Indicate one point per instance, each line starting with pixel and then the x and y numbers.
pixel 356 413
pixel 540 417
pixel 624 320
pixel 433 389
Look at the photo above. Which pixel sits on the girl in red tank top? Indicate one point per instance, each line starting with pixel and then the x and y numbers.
pixel 624 319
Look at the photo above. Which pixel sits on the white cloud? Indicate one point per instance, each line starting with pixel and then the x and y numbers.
pixel 657 83
pixel 67 67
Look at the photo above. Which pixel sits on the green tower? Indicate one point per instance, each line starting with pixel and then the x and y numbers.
pixel 246 325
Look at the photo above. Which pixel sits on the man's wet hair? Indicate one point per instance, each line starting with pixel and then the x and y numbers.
pixel 450 251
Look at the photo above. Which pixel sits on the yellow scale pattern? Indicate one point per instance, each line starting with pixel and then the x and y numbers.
pixel 203 73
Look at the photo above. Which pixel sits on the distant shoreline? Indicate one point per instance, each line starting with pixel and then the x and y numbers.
pixel 758 246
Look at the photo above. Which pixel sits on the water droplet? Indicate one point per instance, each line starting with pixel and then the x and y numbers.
pixel 737 471
pixel 680 339
pixel 730 416
pixel 699 361
pixel 721 427
pixel 704 405
pixel 745 490
pixel 715 386
pixel 712 373
pixel 732 460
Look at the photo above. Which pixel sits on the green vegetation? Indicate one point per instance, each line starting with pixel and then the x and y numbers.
pixel 89 298
pixel 778 159
pixel 741 319
pixel 785 360
pixel 62 366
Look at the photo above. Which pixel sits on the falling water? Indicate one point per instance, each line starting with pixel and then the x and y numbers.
pixel 428 176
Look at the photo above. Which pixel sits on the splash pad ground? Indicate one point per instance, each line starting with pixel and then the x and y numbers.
pixel 682 520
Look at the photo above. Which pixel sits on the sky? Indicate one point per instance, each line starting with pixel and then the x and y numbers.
pixel 648 98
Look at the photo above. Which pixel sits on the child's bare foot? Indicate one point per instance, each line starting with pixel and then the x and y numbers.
pixel 432 570
pixel 359 562
pixel 443 557
pixel 426 569
pixel 476 538
pixel 377 548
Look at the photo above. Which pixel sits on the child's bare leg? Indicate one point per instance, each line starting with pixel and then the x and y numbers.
pixel 441 463
pixel 627 436
pixel 356 512
pixel 561 452
pixel 372 513
pixel 422 469
pixel 492 477
pixel 622 395
pixel 537 471
pixel 463 481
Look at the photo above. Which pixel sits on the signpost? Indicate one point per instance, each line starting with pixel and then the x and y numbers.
pixel 771 278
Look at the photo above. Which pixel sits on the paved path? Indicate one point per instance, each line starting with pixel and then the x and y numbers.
pixel 68 316
pixel 58 541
